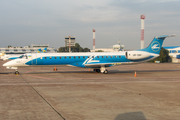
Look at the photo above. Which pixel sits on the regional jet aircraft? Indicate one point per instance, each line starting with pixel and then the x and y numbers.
pixel 95 60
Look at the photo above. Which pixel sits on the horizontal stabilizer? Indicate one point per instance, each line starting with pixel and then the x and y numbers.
pixel 164 36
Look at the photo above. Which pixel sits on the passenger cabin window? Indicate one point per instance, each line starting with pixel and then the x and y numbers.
pixel 65 57
pixel 102 56
pixel 79 57
pixel 74 56
pixel 97 56
pixel 60 57
pixel 106 56
pixel 70 57
pixel 49 57
pixel 83 56
pixel 45 57
pixel 54 57
pixel 111 56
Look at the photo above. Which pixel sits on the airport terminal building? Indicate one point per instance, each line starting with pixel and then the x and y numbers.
pixel 26 49
pixel 174 52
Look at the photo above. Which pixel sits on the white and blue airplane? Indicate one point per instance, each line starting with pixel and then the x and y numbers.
pixel 95 60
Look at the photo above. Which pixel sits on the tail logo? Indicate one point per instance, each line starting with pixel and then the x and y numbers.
pixel 155 46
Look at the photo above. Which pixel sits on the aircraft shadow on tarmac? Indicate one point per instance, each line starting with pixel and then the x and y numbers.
pixel 110 71
pixel 131 116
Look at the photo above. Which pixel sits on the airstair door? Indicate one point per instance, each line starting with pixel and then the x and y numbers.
pixel 34 59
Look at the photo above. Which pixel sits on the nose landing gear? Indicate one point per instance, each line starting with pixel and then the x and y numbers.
pixel 16 72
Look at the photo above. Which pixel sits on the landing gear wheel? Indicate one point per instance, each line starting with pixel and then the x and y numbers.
pixel 105 72
pixel 97 70
pixel 17 73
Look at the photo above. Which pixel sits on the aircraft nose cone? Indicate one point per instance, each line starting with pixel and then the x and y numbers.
pixel 7 64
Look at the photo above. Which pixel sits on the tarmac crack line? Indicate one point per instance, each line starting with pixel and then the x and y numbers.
pixel 43 98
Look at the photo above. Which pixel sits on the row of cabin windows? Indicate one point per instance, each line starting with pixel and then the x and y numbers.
pixel 174 51
pixel 84 57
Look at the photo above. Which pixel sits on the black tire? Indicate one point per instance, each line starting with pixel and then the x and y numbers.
pixel 97 70
pixel 16 72
pixel 105 72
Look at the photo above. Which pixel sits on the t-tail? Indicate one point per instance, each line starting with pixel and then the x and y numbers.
pixel 156 44
pixel 45 50
pixel 39 50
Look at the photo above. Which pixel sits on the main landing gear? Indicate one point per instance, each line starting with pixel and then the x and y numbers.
pixel 102 70
pixel 97 70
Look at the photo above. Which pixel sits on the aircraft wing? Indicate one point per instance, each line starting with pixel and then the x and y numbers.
pixel 98 65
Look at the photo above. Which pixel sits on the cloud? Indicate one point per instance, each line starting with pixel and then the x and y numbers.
pixel 49 21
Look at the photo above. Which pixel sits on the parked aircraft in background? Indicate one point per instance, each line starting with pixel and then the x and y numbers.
pixel 15 56
pixel 95 60
pixel 1 54
pixel 10 56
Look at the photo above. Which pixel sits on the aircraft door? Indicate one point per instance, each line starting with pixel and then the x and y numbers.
pixel 39 60
pixel 34 59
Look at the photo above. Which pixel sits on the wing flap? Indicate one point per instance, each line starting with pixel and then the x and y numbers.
pixel 99 65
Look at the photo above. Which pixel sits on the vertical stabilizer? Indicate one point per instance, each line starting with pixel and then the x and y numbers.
pixel 156 44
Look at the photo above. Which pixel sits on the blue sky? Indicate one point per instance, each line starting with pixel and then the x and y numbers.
pixel 26 22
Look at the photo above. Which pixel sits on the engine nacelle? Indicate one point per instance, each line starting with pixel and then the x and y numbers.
pixel 136 55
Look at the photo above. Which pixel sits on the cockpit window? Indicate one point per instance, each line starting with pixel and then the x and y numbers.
pixel 23 57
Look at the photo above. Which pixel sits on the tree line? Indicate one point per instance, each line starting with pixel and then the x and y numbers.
pixel 163 57
pixel 76 48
